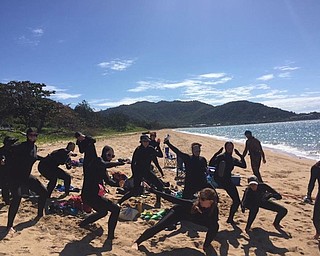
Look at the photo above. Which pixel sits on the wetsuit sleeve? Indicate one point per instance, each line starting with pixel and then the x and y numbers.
pixel 245 151
pixel 244 200
pixel 212 228
pixel 173 199
pixel 269 189
pixel 158 153
pixel 156 163
pixel 184 156
pixel 312 180
pixel 240 163
pixel 215 160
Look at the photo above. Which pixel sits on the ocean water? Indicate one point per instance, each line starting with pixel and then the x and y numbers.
pixel 299 138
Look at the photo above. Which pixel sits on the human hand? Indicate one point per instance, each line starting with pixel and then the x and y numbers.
pixel 237 152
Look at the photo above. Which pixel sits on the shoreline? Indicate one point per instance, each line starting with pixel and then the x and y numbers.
pixel 265 146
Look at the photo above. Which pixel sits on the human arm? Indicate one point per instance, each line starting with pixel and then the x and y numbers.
pixel 214 157
pixel 273 193
pixel 173 199
pixel 240 163
pixel 245 151
pixel 156 163
pixel 313 177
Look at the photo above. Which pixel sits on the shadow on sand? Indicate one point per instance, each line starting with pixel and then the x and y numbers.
pixel 260 240
pixel 83 247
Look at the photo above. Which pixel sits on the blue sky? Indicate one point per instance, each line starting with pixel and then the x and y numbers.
pixel 119 52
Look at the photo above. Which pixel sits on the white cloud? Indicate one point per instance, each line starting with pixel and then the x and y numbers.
pixel 286 68
pixel 285 75
pixel 32 38
pixel 266 77
pixel 205 80
pixel 60 94
pixel 127 101
pixel 212 75
pixel 115 65
pixel 37 32
pixel 296 104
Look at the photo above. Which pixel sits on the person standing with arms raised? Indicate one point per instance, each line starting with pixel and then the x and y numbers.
pixel 224 164
pixel 195 169
pixel 253 146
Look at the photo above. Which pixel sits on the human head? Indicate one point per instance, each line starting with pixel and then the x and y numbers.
pixel 107 153
pixel 228 146
pixel 144 140
pixel 8 141
pixel 153 135
pixel 196 148
pixel 248 133
pixel 32 134
pixel 79 136
pixel 71 146
pixel 253 182
pixel 207 198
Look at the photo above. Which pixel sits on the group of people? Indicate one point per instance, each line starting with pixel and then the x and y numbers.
pixel 199 202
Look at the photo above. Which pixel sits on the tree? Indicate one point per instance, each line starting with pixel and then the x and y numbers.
pixel 28 102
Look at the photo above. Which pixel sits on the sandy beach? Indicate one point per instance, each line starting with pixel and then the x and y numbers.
pixel 55 234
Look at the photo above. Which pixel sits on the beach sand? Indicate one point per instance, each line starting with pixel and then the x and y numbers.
pixel 60 235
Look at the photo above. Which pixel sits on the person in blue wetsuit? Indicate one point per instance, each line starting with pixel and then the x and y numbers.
pixel 224 164
pixel 95 173
pixel 203 211
pixel 259 195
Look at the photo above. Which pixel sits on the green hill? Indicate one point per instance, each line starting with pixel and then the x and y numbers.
pixel 193 113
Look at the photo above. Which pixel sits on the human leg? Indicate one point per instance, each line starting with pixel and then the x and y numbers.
pixel 253 211
pixel 15 203
pixel 316 216
pixel 255 165
pixel 279 209
pixel 173 216
pixel 233 193
pixel 36 186
pixel 61 174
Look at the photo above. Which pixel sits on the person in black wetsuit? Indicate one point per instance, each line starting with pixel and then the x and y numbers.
pixel 24 156
pixel 195 169
pixel 86 145
pixel 224 164
pixel 204 211
pixel 258 195
pixel 140 167
pixel 5 155
pixel 94 174
pixel 156 145
pixel 49 167
pixel 314 176
pixel 256 153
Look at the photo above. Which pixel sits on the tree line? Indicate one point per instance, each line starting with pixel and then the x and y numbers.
pixel 25 104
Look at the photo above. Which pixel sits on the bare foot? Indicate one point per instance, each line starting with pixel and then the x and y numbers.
pixel 135 246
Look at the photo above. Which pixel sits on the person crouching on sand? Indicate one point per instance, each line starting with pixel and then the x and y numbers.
pixel 259 195
pixel 204 211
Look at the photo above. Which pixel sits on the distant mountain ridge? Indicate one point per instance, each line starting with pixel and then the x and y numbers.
pixel 194 113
